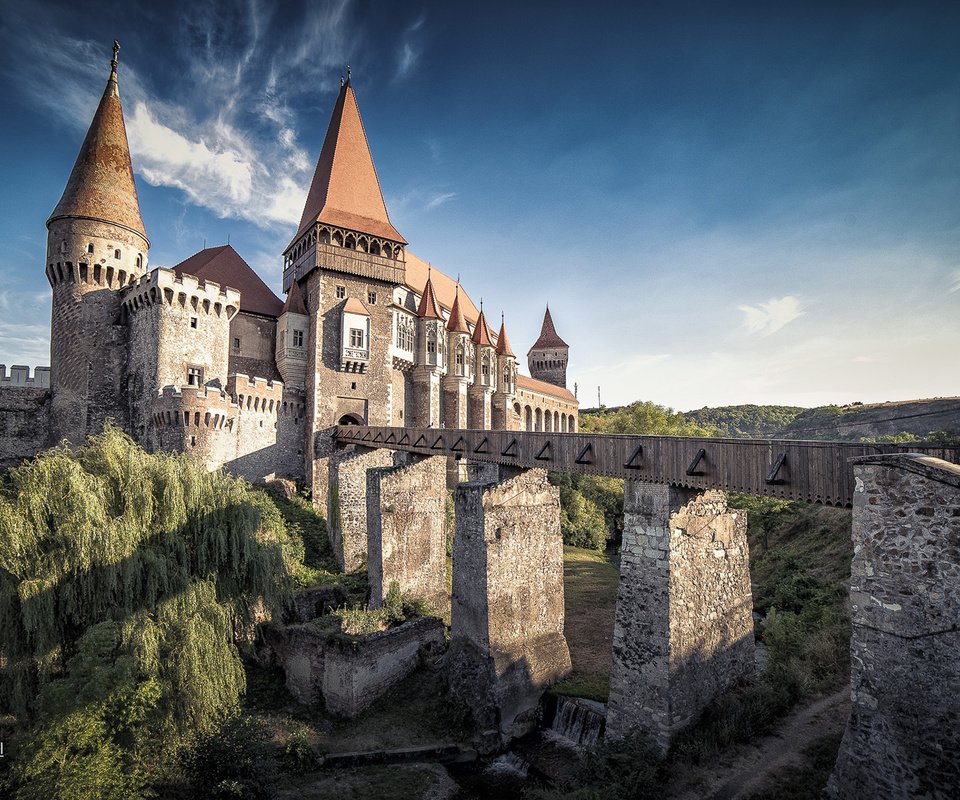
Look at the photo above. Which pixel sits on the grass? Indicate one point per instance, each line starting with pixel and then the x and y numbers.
pixel 590 598
pixel 360 783
pixel 806 779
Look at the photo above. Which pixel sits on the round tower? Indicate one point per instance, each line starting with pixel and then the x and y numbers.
pixel 96 245
pixel 547 359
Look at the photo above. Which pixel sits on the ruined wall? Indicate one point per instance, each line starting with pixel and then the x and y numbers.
pixel 903 736
pixel 405 524
pixel 24 423
pixel 507 643
pixel 347 502
pixel 356 673
pixel 684 627
pixel 256 354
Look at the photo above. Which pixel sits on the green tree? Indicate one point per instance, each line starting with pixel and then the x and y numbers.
pixel 643 418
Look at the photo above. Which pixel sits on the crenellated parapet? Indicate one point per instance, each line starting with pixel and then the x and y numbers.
pixel 255 395
pixel 164 287
pixel 197 420
pixel 20 377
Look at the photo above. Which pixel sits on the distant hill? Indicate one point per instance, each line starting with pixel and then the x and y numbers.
pixel 746 422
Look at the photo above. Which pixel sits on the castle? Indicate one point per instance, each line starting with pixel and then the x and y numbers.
pixel 204 358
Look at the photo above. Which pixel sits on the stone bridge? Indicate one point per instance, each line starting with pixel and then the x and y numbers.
pixel 684 630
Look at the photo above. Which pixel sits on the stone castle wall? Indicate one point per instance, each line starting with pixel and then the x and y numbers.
pixel 24 423
pixel 20 377
pixel 684 628
pixel 200 421
pixel 258 343
pixel 903 736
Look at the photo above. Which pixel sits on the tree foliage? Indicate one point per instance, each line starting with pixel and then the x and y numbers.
pixel 642 418
pixel 746 421
pixel 123 578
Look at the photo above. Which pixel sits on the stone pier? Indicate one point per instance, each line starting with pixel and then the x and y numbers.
pixel 684 620
pixel 347 501
pixel 903 736
pixel 507 644
pixel 406 537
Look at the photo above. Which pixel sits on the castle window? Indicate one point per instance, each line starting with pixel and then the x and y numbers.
pixel 236 342
pixel 372 298
pixel 356 338
pixel 139 260
pixel 432 343
pixel 193 322
pixel 89 248
pixel 193 441
pixel 341 292
pixel 195 376
pixel 116 254
pixel 297 338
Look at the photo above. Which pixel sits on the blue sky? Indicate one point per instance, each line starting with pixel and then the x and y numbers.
pixel 722 203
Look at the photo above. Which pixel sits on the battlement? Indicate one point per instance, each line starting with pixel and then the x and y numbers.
pixel 255 394
pixel 207 406
pixel 19 377
pixel 164 286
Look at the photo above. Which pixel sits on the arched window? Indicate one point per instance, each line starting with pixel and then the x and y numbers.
pixel 139 260
pixel 527 419
pixel 375 248
pixel 538 420
pixel 350 243
pixel 324 236
pixel 338 239
pixel 460 361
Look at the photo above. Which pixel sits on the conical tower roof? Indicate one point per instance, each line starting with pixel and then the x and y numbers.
pixel 481 331
pixel 101 185
pixel 345 190
pixel 548 334
pixel 294 303
pixel 428 303
pixel 503 343
pixel 456 323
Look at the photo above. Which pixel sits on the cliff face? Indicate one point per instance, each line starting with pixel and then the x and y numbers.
pixel 916 417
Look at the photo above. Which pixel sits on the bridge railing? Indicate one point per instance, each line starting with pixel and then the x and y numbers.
pixel 812 471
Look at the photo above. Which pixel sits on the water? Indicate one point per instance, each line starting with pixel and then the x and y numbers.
pixel 578 720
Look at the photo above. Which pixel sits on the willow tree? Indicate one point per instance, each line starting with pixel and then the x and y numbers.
pixel 123 577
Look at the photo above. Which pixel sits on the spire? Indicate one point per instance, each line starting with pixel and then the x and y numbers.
pixel 456 323
pixel 503 343
pixel 345 190
pixel 428 303
pixel 101 185
pixel 294 303
pixel 548 334
pixel 481 331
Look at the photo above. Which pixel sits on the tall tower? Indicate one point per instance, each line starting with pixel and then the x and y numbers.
pixel 96 245
pixel 547 359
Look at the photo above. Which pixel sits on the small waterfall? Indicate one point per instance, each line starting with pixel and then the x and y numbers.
pixel 509 763
pixel 579 720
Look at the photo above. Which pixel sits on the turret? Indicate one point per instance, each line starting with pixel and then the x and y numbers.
pixel 460 370
pixel 430 360
pixel 547 359
pixel 292 328
pixel 504 416
pixel 96 245
pixel 484 376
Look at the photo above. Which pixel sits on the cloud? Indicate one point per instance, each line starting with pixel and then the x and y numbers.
pixel 409 52
pixel 771 316
pixel 439 199
pixel 954 282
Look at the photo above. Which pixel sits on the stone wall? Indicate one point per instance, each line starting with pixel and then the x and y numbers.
pixel 256 354
pixel 199 421
pixel 684 627
pixel 20 377
pixel 507 643
pixel 405 525
pixel 24 423
pixel 903 735
pixel 259 402
pixel 347 502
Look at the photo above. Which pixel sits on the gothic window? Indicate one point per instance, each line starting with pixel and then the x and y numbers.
pixel 372 298
pixel 324 236
pixel 506 375
pixel 375 248
pixel 485 369
pixel 405 334
pixel 297 338
pixel 338 239
pixel 460 359
pixel 350 242
pixel 356 338
pixel 195 376
pixel 341 292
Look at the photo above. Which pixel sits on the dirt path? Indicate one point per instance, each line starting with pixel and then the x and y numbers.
pixel 754 764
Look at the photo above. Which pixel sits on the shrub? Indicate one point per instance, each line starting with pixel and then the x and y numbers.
pixel 235 759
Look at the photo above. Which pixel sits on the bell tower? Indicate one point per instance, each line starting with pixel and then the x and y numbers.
pixel 96 246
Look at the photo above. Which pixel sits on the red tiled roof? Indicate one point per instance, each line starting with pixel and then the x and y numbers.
pixel 101 185
pixel 345 190
pixel 503 343
pixel 224 265
pixel 542 387
pixel 428 303
pixel 548 334
pixel 294 303
pixel 445 288
pixel 481 332
pixel 456 323
pixel 354 306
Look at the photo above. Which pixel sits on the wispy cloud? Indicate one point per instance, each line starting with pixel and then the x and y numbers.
pixel 439 199
pixel 771 316
pixel 410 50
pixel 954 282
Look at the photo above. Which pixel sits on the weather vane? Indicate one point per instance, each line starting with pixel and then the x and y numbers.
pixel 116 54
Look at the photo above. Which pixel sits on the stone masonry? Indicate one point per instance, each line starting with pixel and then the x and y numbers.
pixel 903 736
pixel 347 502
pixel 405 525
pixel 684 627
pixel 507 643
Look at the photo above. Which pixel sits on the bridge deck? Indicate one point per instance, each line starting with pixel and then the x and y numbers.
pixel 815 472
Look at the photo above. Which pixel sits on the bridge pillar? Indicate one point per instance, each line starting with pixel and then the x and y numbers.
pixel 347 501
pixel 507 643
pixel 683 630
pixel 903 735
pixel 406 537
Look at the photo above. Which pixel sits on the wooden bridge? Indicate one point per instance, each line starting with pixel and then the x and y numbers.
pixel 812 471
